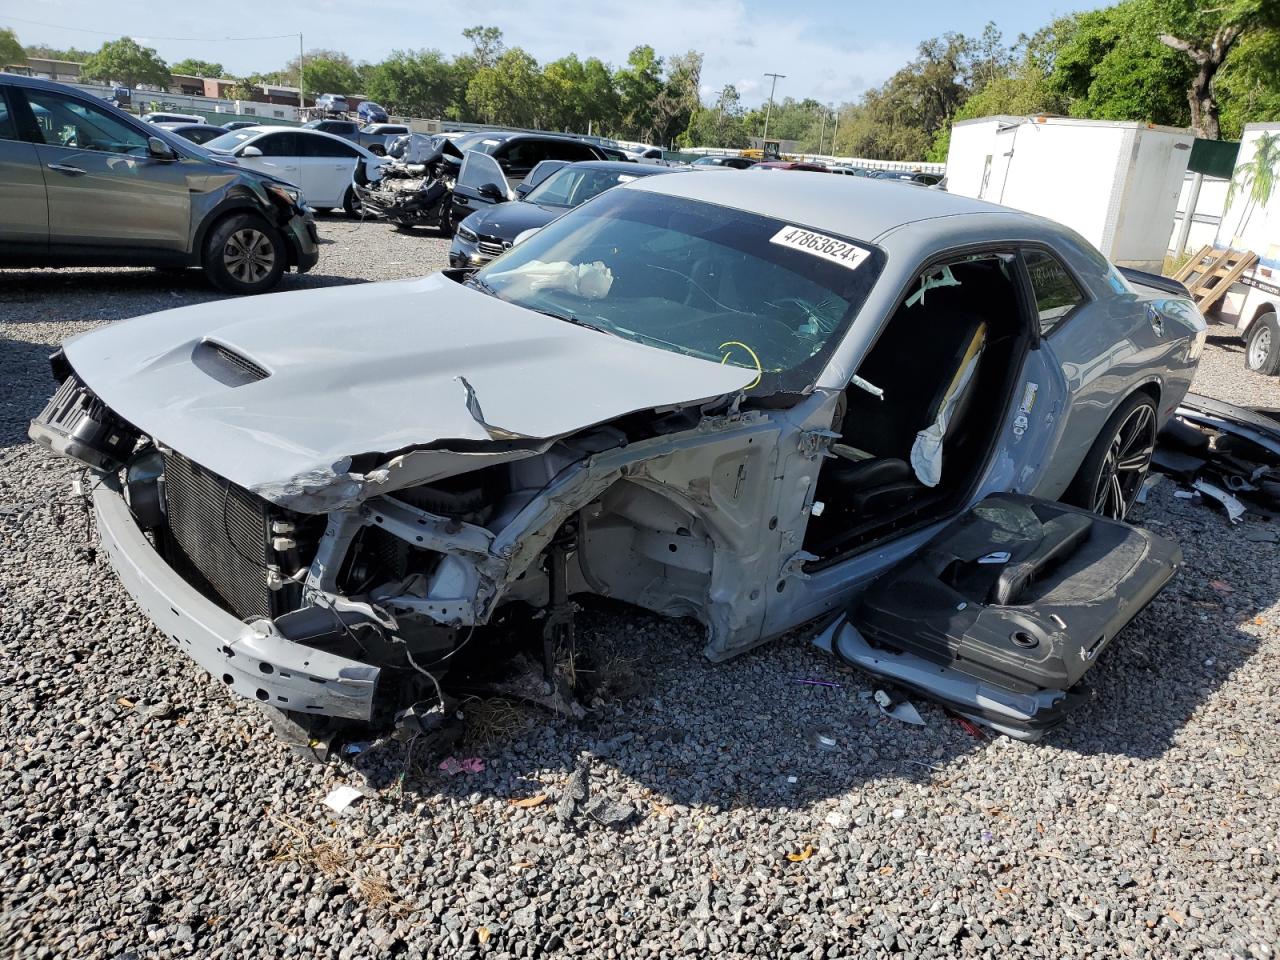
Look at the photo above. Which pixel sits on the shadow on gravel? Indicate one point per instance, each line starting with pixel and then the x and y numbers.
pixel 47 296
pixel 25 386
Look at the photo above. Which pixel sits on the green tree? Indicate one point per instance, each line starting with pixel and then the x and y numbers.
pixel 721 125
pixel 679 97
pixel 563 90
pixel 639 83
pixel 1248 85
pixel 418 83
pixel 486 45
pixel 128 62
pixel 10 49
pixel 509 92
pixel 601 105
pixel 71 54
pixel 197 68
pixel 1205 34
pixel 326 75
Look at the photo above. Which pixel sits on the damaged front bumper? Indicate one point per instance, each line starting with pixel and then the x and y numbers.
pixel 1023 716
pixel 252 659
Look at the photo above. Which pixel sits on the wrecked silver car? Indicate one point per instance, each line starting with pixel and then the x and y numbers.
pixel 416 187
pixel 753 402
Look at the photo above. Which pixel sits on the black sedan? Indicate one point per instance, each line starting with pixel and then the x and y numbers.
pixel 488 232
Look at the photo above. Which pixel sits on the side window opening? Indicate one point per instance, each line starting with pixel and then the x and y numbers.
pixel 8 129
pixel 1056 293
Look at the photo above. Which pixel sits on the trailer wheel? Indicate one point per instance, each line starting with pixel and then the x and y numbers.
pixel 1262 348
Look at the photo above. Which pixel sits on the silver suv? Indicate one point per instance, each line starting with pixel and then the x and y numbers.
pixel 83 183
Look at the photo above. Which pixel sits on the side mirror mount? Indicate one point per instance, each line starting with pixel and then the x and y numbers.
pixel 491 191
pixel 159 150
pixel 249 151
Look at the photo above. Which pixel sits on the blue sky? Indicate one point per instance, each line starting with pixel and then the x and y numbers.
pixel 827 49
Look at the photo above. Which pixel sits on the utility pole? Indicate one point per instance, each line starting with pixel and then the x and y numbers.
pixel 769 111
pixel 302 96
pixel 835 126
pixel 822 131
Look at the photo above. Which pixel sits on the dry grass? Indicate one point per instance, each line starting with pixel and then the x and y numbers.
pixel 492 721
pixel 334 858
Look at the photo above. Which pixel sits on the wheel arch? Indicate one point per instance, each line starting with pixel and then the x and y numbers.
pixel 241 202
pixel 1265 307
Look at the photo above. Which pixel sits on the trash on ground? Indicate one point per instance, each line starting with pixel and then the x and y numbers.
pixel 339 798
pixel 1222 450
pixel 354 748
pixel 902 710
pixel 611 813
pixel 1222 586
pixel 803 855
pixel 1148 485
pixel 453 766
pixel 836 820
pixel 823 738
pixel 527 802
pixel 815 683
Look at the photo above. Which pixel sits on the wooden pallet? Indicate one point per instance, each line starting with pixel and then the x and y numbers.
pixel 1216 270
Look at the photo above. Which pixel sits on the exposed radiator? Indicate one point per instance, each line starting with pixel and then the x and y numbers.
pixel 218 539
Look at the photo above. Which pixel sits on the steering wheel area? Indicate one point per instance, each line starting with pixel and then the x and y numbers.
pixel 737 346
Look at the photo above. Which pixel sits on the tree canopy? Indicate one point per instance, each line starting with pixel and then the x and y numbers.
pixel 11 50
pixel 128 62
pixel 197 68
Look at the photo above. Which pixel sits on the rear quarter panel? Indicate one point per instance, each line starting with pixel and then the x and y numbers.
pixel 1118 343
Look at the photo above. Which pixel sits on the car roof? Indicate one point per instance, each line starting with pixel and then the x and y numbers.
pixel 183 124
pixel 505 135
pixel 621 166
pixel 859 207
pixel 305 131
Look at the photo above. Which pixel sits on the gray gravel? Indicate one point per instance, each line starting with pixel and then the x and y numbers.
pixel 143 813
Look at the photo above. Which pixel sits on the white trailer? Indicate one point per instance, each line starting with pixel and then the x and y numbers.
pixel 1115 183
pixel 1252 305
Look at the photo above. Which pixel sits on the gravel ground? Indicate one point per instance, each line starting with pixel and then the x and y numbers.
pixel 145 814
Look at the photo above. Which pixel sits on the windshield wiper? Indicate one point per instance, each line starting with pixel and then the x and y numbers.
pixel 482 285
pixel 570 319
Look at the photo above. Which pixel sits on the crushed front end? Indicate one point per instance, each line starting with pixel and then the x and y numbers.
pixel 415 186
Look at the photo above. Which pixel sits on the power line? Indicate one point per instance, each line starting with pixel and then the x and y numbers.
pixel 150 36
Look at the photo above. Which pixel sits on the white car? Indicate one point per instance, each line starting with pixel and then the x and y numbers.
pixel 159 117
pixel 320 164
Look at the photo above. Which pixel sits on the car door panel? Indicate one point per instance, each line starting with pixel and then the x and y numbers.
pixel 279 157
pixel 24 225
pixel 104 189
pixel 326 168
pixel 478 170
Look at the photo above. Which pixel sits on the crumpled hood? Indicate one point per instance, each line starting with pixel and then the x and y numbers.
pixel 371 368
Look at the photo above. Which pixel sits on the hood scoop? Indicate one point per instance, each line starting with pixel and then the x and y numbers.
pixel 223 364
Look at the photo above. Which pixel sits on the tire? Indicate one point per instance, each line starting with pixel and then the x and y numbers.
pixel 1112 473
pixel 243 254
pixel 446 220
pixel 1262 348
pixel 351 204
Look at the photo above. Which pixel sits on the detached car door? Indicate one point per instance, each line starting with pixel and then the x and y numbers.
pixel 24 223
pixel 106 192
pixel 1000 615
pixel 326 167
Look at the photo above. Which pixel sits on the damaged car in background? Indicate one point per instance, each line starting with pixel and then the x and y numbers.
pixel 754 402
pixel 436 181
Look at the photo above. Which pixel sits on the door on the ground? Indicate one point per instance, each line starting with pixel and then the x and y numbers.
pixel 919 420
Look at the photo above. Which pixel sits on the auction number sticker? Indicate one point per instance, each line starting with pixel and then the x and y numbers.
pixel 839 251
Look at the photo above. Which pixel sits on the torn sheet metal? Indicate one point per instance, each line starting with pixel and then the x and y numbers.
pixel 1233 420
